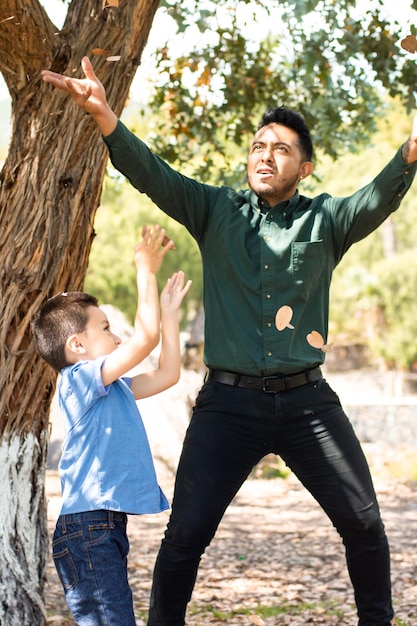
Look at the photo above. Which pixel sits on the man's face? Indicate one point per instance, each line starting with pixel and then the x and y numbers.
pixel 275 164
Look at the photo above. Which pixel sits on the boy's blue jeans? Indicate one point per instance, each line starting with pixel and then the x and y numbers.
pixel 230 431
pixel 90 554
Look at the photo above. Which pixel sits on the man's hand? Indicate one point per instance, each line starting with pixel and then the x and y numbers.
pixel 174 291
pixel 88 93
pixel 409 151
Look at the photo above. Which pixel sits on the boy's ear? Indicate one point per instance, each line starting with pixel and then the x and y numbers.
pixel 74 345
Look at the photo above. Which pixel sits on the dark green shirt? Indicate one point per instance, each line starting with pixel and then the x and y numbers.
pixel 257 259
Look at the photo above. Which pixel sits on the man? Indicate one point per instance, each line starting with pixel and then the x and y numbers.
pixel 268 256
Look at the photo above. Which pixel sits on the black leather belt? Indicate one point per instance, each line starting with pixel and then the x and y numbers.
pixel 270 384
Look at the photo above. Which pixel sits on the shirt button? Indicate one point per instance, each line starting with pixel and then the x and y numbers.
pixel 268 324
pixel 284 214
pixel 268 296
pixel 266 266
pixel 269 353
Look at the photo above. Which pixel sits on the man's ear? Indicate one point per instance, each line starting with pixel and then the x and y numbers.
pixel 306 169
pixel 74 345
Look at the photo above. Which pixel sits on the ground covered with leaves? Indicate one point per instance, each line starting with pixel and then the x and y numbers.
pixel 276 560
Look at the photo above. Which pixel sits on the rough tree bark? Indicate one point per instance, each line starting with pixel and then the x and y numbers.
pixel 50 190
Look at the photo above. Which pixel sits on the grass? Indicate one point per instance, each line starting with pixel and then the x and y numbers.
pixel 318 608
pixel 271 611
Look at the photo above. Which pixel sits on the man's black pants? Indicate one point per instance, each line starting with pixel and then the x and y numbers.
pixel 231 430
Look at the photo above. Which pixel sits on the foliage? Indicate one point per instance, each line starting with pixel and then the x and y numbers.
pixel 118 224
pixel 327 59
pixel 394 293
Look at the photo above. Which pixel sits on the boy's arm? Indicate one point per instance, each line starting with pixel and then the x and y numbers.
pixel 169 368
pixel 149 254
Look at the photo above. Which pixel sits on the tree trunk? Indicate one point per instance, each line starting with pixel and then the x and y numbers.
pixel 50 190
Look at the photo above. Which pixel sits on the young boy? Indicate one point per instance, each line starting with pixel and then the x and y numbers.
pixel 106 467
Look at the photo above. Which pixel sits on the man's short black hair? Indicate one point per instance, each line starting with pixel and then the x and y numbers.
pixel 291 119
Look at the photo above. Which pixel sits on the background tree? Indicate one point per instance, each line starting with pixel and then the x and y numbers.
pixel 51 180
pixel 332 61
pixel 111 273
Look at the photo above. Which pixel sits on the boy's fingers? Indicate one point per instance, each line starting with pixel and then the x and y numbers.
pixel 158 235
pixel 187 286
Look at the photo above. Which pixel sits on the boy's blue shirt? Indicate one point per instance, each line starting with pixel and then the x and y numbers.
pixel 106 460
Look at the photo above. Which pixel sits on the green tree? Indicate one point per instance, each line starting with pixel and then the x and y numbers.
pixel 118 223
pixel 393 294
pixel 329 60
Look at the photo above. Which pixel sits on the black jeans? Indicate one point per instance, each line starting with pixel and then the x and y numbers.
pixel 230 431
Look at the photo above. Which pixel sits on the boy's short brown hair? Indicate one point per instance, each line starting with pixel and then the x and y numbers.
pixel 60 317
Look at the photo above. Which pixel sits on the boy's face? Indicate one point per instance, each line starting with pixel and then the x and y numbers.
pixel 97 339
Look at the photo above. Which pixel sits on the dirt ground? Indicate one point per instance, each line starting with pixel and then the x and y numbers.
pixel 275 560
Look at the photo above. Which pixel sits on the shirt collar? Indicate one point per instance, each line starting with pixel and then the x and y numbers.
pixel 288 205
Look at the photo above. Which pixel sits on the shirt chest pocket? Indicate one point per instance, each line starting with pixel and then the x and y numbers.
pixel 307 261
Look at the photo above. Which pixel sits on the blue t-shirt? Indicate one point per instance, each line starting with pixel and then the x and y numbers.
pixel 106 460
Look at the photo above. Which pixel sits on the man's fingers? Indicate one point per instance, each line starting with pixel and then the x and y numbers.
pixel 55 79
pixel 74 86
pixel 88 68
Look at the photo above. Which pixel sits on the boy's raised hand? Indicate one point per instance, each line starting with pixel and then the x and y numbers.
pixel 151 250
pixel 174 291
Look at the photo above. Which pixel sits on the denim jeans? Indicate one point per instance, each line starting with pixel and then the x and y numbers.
pixel 230 431
pixel 90 555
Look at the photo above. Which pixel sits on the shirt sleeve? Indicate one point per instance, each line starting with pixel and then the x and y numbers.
pixel 80 387
pixel 356 216
pixel 184 199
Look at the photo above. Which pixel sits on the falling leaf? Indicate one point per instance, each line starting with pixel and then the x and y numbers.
pixel 315 340
pixel 283 317
pixel 114 58
pixel 110 3
pixel 328 347
pixel 165 240
pixel 409 43
pixel 100 52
